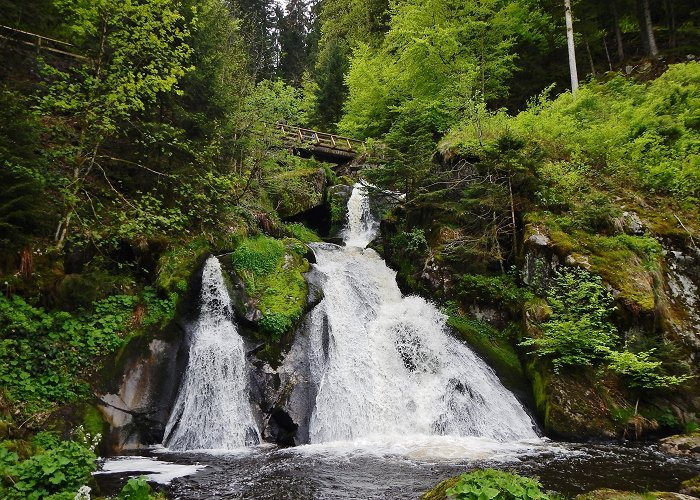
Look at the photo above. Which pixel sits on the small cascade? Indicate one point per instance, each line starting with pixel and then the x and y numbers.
pixel 385 365
pixel 213 408
pixel 361 226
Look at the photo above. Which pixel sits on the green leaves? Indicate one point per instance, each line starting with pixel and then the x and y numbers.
pixel 44 355
pixel 579 333
pixel 579 330
pixel 493 484
pixel 62 467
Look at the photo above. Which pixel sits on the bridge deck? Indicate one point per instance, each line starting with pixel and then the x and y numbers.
pixel 321 142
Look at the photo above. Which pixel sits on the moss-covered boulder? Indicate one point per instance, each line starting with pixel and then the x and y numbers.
pixel 682 444
pixel 296 191
pixel 691 487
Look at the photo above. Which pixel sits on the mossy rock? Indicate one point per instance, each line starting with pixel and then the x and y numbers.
pixel 439 492
pixel 495 347
pixel 297 191
pixel 691 487
pixel 175 266
pixel 573 404
pixel 272 271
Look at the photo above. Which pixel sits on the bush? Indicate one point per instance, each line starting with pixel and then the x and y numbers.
pixel 579 330
pixel 59 468
pixel 499 289
pixel 137 488
pixel 43 354
pixel 497 485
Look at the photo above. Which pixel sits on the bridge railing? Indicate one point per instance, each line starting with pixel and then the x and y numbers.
pixel 324 139
pixel 39 42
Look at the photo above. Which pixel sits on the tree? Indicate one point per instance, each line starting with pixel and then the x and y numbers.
pixel 257 23
pixel 570 44
pixel 647 29
pixel 139 51
pixel 293 30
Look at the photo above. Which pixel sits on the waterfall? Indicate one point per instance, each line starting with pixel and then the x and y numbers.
pixel 384 364
pixel 213 410
pixel 361 226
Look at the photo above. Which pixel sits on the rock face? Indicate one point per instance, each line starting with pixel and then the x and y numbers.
pixel 338 197
pixel 682 444
pixel 138 410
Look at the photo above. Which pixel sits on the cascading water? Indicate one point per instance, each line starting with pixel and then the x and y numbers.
pixel 361 227
pixel 213 409
pixel 385 365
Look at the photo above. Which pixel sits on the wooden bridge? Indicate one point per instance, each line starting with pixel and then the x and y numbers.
pixel 39 43
pixel 321 145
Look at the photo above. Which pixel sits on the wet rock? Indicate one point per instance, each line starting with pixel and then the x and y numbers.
pixel 682 444
pixel 629 223
pixel 609 494
pixel 297 191
pixel 138 410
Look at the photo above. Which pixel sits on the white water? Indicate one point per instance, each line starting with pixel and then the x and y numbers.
pixel 213 408
pixel 385 366
pixel 361 227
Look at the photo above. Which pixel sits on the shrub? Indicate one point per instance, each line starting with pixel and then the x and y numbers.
pixel 641 370
pixel 579 330
pixel 497 485
pixel 43 353
pixel 501 288
pixel 60 470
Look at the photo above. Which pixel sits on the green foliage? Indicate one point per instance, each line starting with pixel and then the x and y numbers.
pixel 579 333
pixel 642 371
pixel 640 133
pixel 46 354
pixel 498 485
pixel 579 330
pixel 257 257
pixel 175 265
pixel 500 289
pixel 272 271
pixel 137 488
pixel 301 232
pixel 58 467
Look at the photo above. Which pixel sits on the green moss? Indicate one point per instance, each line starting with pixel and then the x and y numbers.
pixel 301 233
pixel 539 391
pixel 272 271
pixel 492 345
pixel 691 486
pixel 623 261
pixel 176 265
pixel 298 190
pixel 439 492
pixel 92 421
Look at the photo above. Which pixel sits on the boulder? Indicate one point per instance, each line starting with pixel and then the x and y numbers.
pixel 682 444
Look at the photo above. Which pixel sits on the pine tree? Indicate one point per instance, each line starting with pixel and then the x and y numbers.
pixel 293 31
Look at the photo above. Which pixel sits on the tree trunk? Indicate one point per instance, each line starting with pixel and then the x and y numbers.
pixel 648 30
pixel 618 34
pixel 670 13
pixel 590 56
pixel 570 43
pixel 607 54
